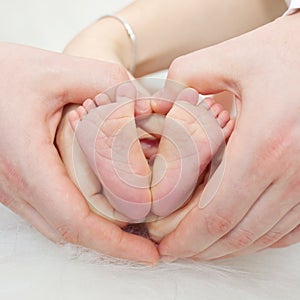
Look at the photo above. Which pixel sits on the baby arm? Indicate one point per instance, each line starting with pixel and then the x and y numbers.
pixel 168 29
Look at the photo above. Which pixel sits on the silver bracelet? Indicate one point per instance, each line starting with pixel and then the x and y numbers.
pixel 131 35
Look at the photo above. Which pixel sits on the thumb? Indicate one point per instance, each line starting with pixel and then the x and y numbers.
pixel 83 78
pixel 209 71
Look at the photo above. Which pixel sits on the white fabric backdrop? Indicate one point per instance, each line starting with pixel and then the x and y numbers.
pixel 33 268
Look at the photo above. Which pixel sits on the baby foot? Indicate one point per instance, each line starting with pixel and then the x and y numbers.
pixel 106 133
pixel 192 134
pixel 160 228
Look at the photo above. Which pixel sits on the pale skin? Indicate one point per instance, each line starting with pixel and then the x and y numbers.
pixel 33 181
pixel 106 133
pixel 263 210
pixel 49 200
pixel 179 243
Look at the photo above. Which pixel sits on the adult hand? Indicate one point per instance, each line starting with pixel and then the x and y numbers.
pixel 34 87
pixel 256 201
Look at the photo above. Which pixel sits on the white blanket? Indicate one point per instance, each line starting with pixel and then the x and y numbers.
pixel 32 268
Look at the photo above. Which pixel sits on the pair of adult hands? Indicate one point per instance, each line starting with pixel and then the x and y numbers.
pixel 255 206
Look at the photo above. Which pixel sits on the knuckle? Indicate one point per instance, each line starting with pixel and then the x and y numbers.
pixel 275 147
pixel 69 233
pixel 218 224
pixel 240 238
pixel 12 176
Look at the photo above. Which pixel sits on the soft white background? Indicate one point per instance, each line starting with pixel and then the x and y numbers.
pixel 33 268
pixel 50 24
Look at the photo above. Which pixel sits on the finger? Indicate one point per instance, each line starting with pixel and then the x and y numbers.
pixel 209 71
pixel 291 238
pixel 286 225
pixel 215 217
pixel 64 208
pixel 28 213
pixel 83 78
pixel 268 210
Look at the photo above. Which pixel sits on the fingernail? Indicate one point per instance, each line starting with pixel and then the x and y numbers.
pixel 167 259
